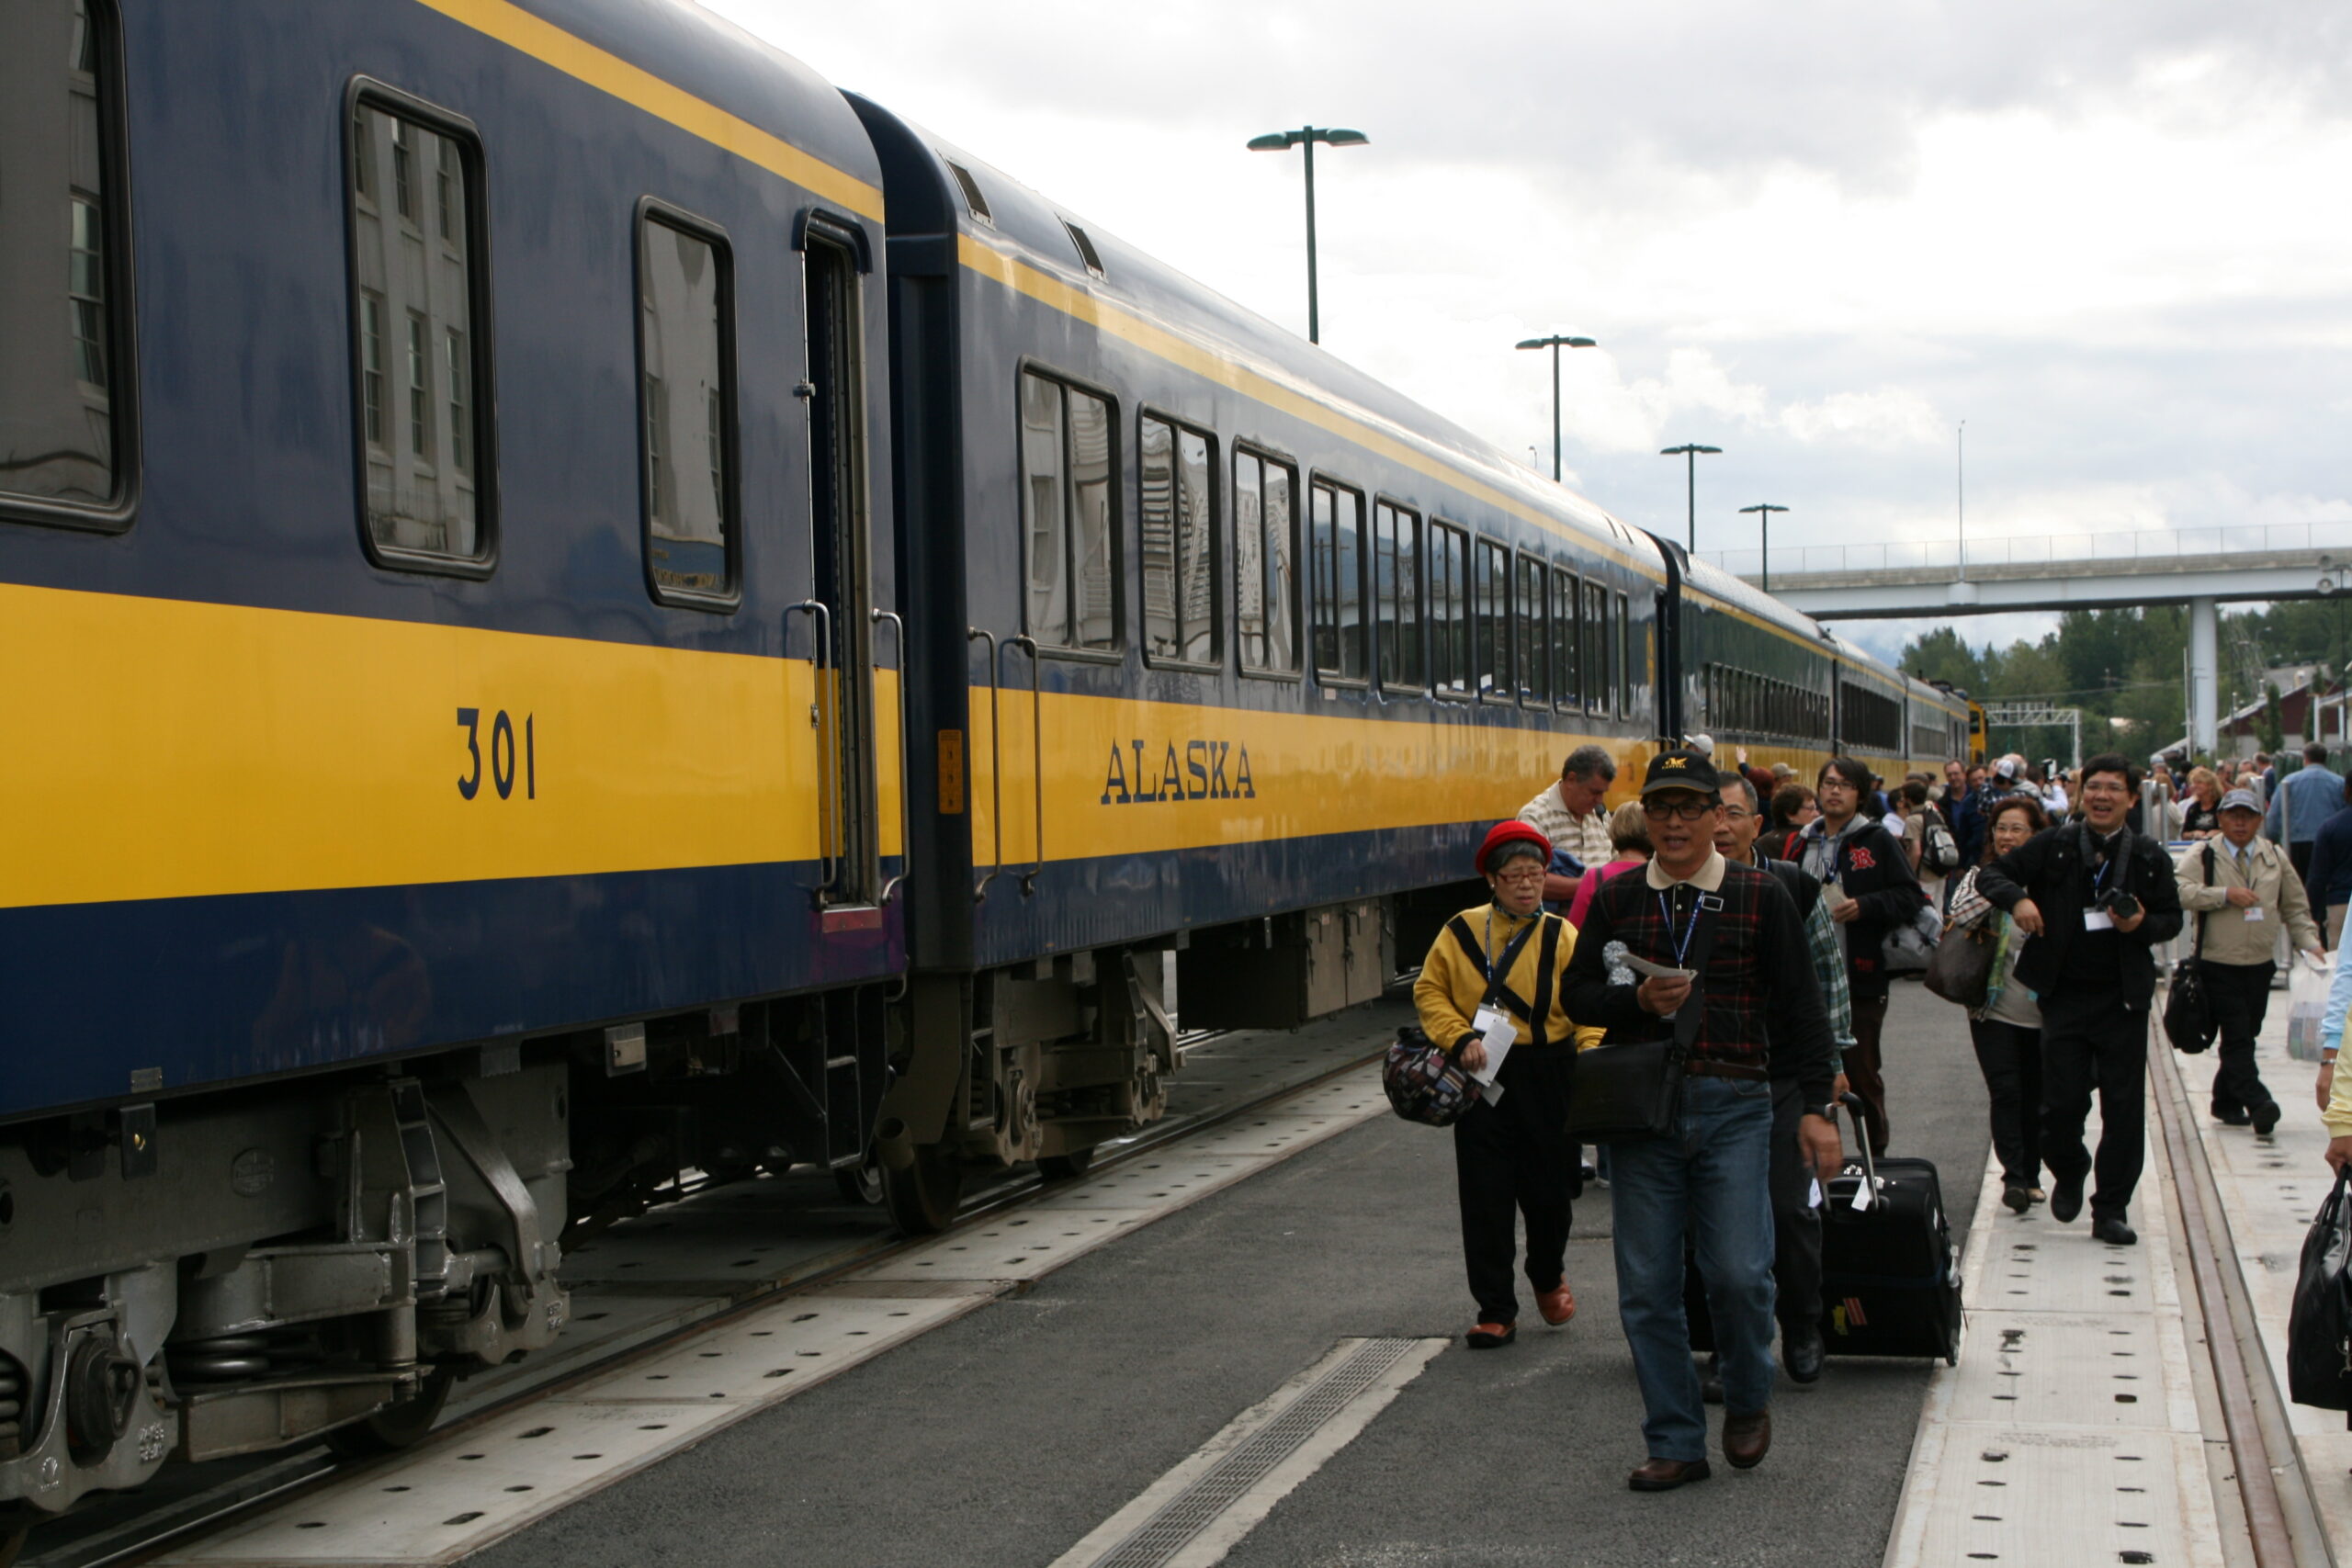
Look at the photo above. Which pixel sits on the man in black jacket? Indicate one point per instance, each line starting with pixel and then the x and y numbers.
pixel 1872 890
pixel 2095 899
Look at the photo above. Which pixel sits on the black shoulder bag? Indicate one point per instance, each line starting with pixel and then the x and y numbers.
pixel 2189 1022
pixel 1620 1093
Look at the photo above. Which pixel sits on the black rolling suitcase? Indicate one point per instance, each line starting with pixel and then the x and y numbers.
pixel 1890 1274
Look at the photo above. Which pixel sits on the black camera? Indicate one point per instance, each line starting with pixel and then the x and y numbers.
pixel 2122 905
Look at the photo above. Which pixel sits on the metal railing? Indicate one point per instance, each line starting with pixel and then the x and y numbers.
pixel 2038 549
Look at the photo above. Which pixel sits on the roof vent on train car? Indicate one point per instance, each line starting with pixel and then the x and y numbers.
pixel 1085 248
pixel 971 188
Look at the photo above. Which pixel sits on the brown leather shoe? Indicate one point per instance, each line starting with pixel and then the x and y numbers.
pixel 1491 1336
pixel 1666 1474
pixel 1747 1439
pixel 1557 1304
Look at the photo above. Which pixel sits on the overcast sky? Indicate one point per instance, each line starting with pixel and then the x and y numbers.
pixel 1818 234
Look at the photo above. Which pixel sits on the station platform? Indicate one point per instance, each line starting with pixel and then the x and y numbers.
pixel 1246 1348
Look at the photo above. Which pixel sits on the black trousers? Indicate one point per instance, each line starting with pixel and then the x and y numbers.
pixel 2010 1058
pixel 1796 1224
pixel 2240 994
pixel 1863 1069
pixel 2091 1040
pixel 1514 1159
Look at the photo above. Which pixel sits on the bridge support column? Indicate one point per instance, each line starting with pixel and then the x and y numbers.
pixel 2204 678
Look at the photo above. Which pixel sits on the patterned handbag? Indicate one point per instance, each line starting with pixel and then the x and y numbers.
pixel 1425 1082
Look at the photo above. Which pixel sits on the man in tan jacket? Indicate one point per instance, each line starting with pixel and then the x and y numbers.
pixel 2240 890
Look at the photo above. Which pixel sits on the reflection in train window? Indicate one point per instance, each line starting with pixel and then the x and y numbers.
pixel 1597 682
pixel 1335 567
pixel 1535 667
pixel 1068 502
pixel 420 369
pixel 1449 608
pixel 1564 599
pixel 1179 541
pixel 1492 585
pixel 59 316
pixel 1265 539
pixel 1396 593
pixel 686 392
pixel 1624 661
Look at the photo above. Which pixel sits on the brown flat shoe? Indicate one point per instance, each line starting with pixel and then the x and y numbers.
pixel 1747 1439
pixel 1557 1304
pixel 1492 1336
pixel 1666 1474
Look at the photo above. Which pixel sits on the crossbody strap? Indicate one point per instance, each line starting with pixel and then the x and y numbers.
pixel 1500 970
pixel 2197 951
pixel 1693 1012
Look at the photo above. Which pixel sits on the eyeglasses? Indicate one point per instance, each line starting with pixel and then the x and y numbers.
pixel 1521 871
pixel 1680 810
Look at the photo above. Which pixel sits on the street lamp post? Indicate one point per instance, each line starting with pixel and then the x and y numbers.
pixel 1764 510
pixel 1690 451
pixel 1306 137
pixel 1556 342
pixel 1959 494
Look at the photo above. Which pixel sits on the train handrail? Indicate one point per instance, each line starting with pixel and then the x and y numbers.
pixel 995 764
pixel 906 824
pixel 1036 754
pixel 829 740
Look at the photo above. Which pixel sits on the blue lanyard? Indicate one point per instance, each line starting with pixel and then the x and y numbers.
pixel 1681 943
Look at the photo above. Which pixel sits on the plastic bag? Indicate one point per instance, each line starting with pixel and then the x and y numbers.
pixel 2307 987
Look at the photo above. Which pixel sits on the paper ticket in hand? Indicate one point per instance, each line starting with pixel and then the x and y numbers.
pixel 1658 971
pixel 1495 1032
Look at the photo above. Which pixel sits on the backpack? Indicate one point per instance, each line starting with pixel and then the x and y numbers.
pixel 1938 850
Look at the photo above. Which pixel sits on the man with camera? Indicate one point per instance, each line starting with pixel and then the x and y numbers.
pixel 2095 899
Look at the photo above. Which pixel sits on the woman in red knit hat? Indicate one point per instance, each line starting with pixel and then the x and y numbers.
pixel 1491 985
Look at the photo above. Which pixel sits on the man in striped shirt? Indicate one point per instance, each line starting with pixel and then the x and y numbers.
pixel 1573 815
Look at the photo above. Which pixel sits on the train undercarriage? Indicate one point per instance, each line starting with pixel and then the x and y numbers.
pixel 322 1259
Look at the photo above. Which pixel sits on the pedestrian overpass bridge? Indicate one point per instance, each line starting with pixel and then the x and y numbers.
pixel 2198 567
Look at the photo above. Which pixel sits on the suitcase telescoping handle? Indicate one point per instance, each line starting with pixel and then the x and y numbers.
pixel 1853 1104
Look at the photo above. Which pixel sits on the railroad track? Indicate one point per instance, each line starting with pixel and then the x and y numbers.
pixel 177 1521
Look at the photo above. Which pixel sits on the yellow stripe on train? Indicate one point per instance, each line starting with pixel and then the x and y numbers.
pixel 1122 776
pixel 165 749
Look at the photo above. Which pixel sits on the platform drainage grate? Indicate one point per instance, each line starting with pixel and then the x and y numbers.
pixel 1160 1538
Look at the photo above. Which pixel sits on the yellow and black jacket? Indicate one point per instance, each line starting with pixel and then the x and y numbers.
pixel 1454 983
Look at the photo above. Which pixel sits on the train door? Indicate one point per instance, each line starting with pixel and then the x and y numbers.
pixel 841 601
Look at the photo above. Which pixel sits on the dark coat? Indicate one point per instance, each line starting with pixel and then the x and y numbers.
pixel 2052 869
pixel 1877 875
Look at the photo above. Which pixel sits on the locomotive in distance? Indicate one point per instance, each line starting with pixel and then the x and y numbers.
pixel 592 606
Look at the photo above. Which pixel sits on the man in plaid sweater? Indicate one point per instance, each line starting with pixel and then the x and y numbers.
pixel 1737 929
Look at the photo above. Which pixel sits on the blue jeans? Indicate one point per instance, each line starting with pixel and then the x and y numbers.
pixel 1713 1178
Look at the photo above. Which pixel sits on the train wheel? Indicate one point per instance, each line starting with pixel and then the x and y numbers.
pixel 1062 1167
pixel 11 1543
pixel 922 1198
pixel 860 1183
pixel 402 1425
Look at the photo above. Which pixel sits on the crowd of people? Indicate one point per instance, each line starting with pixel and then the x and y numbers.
pixel 1754 919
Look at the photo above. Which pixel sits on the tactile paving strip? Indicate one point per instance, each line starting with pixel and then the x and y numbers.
pixel 2069 1431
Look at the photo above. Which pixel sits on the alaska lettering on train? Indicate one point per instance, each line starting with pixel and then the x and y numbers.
pixel 1210 770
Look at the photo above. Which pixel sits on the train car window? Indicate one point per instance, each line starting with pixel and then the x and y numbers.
pixel 418 355
pixel 1067 503
pixel 64 420
pixel 1534 656
pixel 1335 579
pixel 686 416
pixel 1396 594
pixel 1490 584
pixel 1449 609
pixel 1265 540
pixel 1596 648
pixel 1566 599
pixel 1180 542
pixel 1624 660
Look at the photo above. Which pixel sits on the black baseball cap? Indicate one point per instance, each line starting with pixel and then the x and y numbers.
pixel 1680 770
